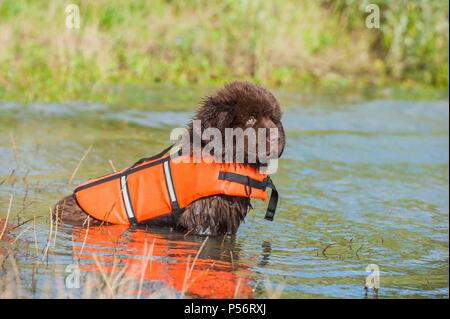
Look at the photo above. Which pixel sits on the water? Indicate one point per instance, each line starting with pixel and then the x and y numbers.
pixel 362 182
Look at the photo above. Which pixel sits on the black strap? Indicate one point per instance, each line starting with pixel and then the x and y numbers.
pixel 253 183
pixel 241 179
pixel 273 201
pixel 133 221
pixel 145 159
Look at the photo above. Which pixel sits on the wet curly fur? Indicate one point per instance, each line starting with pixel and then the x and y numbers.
pixel 230 107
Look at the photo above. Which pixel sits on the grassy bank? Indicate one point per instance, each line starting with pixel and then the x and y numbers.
pixel 277 43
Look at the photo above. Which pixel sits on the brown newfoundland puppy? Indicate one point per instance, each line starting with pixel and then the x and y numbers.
pixel 237 105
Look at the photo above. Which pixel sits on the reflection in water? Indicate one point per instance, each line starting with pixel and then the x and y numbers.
pixel 210 269
pixel 265 255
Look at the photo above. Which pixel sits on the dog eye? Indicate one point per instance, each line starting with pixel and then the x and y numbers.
pixel 251 121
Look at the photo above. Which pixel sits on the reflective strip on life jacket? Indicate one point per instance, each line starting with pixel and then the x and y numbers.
pixel 169 183
pixel 126 199
pixel 158 186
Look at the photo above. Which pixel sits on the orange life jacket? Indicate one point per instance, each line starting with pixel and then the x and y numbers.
pixel 159 185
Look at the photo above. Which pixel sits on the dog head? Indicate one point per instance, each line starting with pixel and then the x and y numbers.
pixel 245 106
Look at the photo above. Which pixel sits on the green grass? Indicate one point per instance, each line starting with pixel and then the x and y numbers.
pixel 285 43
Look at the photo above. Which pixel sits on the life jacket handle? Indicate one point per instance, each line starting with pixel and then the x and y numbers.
pixel 151 158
